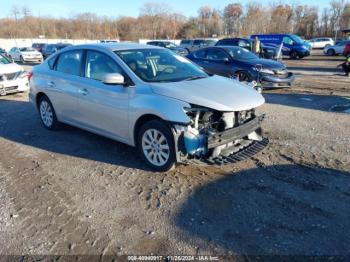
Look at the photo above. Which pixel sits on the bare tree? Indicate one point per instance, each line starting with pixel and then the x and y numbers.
pixel 232 15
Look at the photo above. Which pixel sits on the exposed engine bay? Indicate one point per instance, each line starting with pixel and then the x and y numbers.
pixel 212 133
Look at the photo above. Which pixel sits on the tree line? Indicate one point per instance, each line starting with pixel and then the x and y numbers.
pixel 159 21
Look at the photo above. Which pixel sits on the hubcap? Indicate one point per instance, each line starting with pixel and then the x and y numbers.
pixel 155 147
pixel 46 113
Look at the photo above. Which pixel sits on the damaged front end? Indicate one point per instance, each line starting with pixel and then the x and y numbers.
pixel 216 137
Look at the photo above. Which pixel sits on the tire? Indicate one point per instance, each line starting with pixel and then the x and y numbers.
pixel 331 52
pixel 293 55
pixel 243 76
pixel 156 146
pixel 47 114
pixel 21 59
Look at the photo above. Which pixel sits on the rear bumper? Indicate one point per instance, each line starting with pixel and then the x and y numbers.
pixel 273 81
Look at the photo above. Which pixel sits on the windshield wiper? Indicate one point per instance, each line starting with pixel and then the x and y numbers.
pixel 194 78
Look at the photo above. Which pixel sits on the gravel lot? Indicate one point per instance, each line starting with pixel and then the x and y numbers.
pixel 72 192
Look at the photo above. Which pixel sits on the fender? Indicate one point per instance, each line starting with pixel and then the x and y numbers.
pixel 166 108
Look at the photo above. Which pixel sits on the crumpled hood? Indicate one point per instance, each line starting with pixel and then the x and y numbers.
pixel 216 92
pixel 10 68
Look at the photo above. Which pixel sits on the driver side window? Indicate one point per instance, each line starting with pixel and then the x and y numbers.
pixel 99 64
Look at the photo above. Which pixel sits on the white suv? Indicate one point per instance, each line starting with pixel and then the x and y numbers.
pixel 321 42
pixel 151 98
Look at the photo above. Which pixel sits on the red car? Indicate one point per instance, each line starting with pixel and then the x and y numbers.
pixel 346 51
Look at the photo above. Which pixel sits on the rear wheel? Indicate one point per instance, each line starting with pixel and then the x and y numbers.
pixel 331 52
pixel 47 114
pixel 293 55
pixel 156 145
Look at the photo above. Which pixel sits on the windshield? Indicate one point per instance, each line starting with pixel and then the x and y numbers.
pixel 297 39
pixel 4 60
pixel 157 65
pixel 26 49
pixel 239 53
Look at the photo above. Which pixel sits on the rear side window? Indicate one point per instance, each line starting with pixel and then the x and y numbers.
pixel 70 62
pixel 99 64
pixel 185 42
pixel 51 62
pixel 200 54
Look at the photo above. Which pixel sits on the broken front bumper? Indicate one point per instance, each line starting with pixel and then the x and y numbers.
pixel 274 81
pixel 229 146
pixel 235 133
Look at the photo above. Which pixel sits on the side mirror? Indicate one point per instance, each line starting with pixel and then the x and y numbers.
pixel 258 67
pixel 113 79
pixel 226 60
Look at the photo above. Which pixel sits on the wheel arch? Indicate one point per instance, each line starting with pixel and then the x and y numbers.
pixel 38 97
pixel 141 121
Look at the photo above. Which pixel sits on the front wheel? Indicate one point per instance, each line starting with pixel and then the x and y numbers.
pixel 156 145
pixel 243 76
pixel 21 59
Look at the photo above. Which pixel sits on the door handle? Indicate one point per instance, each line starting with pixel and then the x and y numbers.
pixel 51 84
pixel 83 91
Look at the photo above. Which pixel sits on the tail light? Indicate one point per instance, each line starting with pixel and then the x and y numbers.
pixel 27 74
pixel 30 75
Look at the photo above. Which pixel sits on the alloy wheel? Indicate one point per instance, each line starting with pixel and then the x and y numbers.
pixel 46 113
pixel 155 147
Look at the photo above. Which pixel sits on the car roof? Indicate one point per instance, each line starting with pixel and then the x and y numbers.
pixel 115 46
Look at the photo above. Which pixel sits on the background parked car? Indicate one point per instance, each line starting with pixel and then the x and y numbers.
pixel 25 54
pixel 268 52
pixel 4 53
pixel 12 77
pixel 39 46
pixel 169 45
pixel 195 44
pixel 337 49
pixel 53 48
pixel 321 42
pixel 237 62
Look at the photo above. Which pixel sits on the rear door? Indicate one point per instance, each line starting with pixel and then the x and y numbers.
pixel 62 84
pixel 103 108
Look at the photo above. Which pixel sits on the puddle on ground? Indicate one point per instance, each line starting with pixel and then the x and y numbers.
pixel 341 108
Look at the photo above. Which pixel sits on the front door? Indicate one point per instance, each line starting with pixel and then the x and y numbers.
pixel 103 108
pixel 218 62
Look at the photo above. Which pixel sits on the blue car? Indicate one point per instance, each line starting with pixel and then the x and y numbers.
pixel 239 63
pixel 293 45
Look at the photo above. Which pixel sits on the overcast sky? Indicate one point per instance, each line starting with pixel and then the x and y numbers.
pixel 114 8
